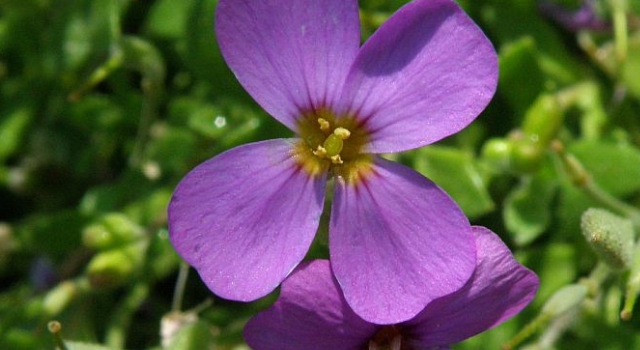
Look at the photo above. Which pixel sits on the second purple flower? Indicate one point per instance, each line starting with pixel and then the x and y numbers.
pixel 245 218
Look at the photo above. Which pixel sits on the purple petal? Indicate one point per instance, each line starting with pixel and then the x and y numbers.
pixel 424 75
pixel 246 218
pixel 289 55
pixel 499 289
pixel 397 241
pixel 311 314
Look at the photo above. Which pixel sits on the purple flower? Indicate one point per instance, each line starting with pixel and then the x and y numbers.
pixel 311 312
pixel 583 18
pixel 245 218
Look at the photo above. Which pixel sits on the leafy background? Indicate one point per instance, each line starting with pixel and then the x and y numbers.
pixel 106 104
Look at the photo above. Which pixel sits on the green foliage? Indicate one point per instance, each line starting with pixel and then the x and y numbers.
pixel 527 213
pixel 106 104
pixel 458 174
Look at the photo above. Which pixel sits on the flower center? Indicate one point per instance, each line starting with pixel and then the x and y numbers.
pixel 387 338
pixel 332 144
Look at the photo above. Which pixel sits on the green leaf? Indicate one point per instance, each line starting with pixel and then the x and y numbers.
pixel 527 209
pixel 510 21
pixel 12 131
pixel 456 172
pixel 517 64
pixel 555 264
pixel 172 148
pixel 56 234
pixel 201 53
pixel 168 18
pixel 615 167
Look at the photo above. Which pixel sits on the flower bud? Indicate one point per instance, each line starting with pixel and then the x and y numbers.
pixel 110 231
pixel 59 297
pixel 183 331
pixel 529 144
pixel 526 154
pixel 497 152
pixel 610 236
pixel 543 120
pixel 114 267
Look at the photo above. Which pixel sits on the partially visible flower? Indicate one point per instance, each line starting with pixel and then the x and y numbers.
pixel 247 217
pixel 312 314
pixel 583 18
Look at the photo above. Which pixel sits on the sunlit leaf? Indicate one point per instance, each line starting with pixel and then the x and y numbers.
pixel 456 172
pixel 527 209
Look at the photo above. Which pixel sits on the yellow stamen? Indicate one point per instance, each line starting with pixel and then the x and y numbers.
pixel 334 145
pixel 324 124
pixel 320 152
pixel 342 133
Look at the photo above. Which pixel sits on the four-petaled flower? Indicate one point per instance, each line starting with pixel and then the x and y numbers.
pixel 312 314
pixel 245 218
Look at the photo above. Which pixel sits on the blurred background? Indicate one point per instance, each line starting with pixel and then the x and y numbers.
pixel 106 104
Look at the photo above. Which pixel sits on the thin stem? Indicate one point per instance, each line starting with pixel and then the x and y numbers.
pixel 100 74
pixel 582 179
pixel 143 57
pixel 620 33
pixel 116 333
pixel 633 286
pixel 55 328
pixel 596 278
pixel 527 331
pixel 603 197
pixel 178 291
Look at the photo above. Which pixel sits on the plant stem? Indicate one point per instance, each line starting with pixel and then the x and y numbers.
pixel 178 291
pixel 116 332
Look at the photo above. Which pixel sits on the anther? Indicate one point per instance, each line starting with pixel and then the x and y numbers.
pixel 324 124
pixel 320 152
pixel 342 133
pixel 336 159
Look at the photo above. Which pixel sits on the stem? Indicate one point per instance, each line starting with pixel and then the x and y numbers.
pixel 618 8
pixel 141 56
pixel 596 278
pixel 55 328
pixel 178 291
pixel 582 179
pixel 594 191
pixel 100 74
pixel 527 331
pixel 116 333
pixel 633 286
